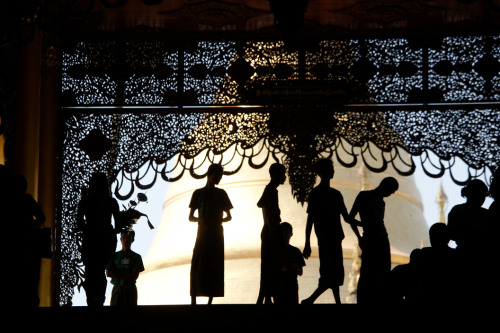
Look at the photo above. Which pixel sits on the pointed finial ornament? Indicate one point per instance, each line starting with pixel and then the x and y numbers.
pixel 441 200
pixel 356 255
pixel 363 173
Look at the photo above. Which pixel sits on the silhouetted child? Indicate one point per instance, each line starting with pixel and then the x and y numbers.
pixel 325 206
pixel 438 269
pixel 374 244
pixel 207 264
pixel 94 218
pixel 123 269
pixel 404 281
pixel 270 235
pixel 291 263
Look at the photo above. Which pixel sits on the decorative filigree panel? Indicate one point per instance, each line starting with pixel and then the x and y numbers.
pixel 316 72
pixel 465 69
pixel 134 140
pixel 305 98
pixel 206 64
pixel 396 70
pixel 145 141
pixel 120 73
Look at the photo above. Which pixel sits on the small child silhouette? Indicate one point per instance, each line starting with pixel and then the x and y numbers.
pixel 291 263
pixel 123 269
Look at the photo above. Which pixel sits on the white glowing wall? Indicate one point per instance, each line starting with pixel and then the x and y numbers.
pixel 166 279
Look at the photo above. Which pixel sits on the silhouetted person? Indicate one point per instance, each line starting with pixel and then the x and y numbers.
pixel 374 244
pixel 123 269
pixel 438 269
pixel 270 235
pixel 25 216
pixel 470 227
pixel 291 263
pixel 95 212
pixel 207 264
pixel 325 206
pixel 404 280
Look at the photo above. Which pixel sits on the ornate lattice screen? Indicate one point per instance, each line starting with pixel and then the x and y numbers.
pixel 138 104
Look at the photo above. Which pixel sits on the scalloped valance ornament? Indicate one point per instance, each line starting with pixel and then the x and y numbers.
pixel 154 107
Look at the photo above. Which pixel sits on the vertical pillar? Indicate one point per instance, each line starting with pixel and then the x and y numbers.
pixel 37 134
pixel 48 151
pixel 26 152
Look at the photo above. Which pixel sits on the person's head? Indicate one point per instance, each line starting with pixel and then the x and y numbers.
pixel 214 173
pixel 324 168
pixel 286 231
pixel 475 192
pixel 277 172
pixel 98 185
pixel 127 237
pixel 388 186
pixel 414 255
pixel 439 235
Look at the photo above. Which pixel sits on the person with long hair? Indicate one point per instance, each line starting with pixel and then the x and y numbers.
pixel 270 234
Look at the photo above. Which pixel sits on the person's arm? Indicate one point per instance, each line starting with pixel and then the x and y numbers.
pixel 272 217
pixel 344 213
pixel 228 216
pixel 226 207
pixel 307 246
pixel 298 270
pixel 116 216
pixel 130 274
pixel 194 205
pixel 356 231
pixel 351 218
pixel 36 210
pixel 292 267
pixel 193 218
pixel 125 275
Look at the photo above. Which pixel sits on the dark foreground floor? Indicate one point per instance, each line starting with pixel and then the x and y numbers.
pixel 248 318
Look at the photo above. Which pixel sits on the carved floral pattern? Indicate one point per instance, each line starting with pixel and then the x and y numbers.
pixel 155 82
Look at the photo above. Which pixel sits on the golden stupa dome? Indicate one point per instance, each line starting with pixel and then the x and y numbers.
pixel 166 278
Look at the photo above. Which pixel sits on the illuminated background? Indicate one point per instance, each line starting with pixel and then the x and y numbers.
pixel 167 249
